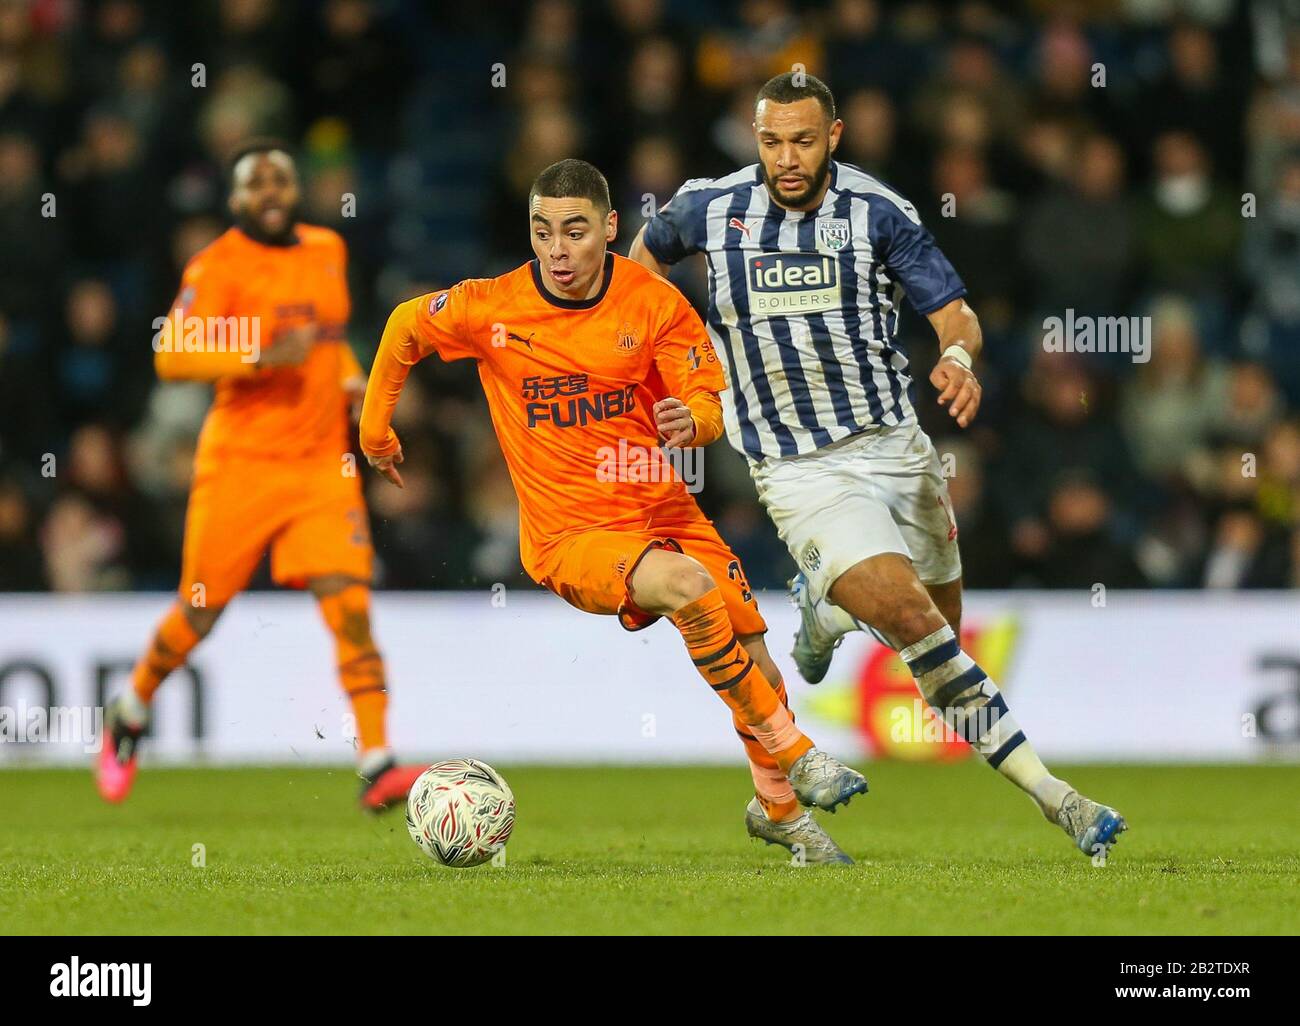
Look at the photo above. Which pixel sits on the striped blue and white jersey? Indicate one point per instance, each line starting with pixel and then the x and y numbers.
pixel 804 305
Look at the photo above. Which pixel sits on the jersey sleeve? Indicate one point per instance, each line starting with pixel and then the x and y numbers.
pixel 435 323
pixel 912 256
pixel 690 369
pixel 206 295
pixel 678 229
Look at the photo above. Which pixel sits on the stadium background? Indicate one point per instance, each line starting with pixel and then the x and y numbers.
pixel 1120 200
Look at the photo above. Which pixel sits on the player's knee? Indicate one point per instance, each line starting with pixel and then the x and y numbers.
pixel 686 581
pixel 667 580
pixel 910 621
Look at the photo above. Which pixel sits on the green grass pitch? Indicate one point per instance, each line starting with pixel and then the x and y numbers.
pixel 940 849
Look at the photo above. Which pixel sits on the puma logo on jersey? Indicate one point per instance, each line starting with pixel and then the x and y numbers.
pixel 520 338
pixel 739 225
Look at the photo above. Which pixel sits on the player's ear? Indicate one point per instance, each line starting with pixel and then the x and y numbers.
pixel 611 226
pixel 837 127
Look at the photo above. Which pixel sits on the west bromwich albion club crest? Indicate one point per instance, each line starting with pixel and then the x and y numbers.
pixel 833 233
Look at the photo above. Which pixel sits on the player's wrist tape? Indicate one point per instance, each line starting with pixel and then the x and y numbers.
pixel 959 354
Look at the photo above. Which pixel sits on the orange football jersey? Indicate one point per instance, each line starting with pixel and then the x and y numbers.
pixel 570 385
pixel 285 412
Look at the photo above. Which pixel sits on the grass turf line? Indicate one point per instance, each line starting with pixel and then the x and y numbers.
pixel 940 849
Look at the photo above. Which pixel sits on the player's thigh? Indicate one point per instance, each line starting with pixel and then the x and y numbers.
pixel 884 592
pixel 830 516
pixel 908 475
pixel 326 532
pixel 229 523
pixel 591 571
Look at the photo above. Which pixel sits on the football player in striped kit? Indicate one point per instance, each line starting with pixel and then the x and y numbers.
pixel 809 261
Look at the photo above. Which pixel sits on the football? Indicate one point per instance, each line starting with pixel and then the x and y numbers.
pixel 460 812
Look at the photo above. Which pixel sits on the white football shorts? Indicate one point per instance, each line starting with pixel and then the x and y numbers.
pixel 879 491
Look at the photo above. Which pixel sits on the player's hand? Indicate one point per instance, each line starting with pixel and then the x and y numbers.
pixel 958 388
pixel 355 390
pixel 675 423
pixel 289 348
pixel 387 465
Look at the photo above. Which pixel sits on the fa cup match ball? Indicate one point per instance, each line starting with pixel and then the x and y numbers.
pixel 460 812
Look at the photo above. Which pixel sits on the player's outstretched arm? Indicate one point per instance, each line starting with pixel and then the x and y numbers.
pixel 399 351
pixel 960 342
pixel 640 252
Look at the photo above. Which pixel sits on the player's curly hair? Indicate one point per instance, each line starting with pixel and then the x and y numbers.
pixel 794 86
pixel 573 178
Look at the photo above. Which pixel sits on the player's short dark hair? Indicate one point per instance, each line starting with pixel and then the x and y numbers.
pixel 260 144
pixel 785 89
pixel 573 178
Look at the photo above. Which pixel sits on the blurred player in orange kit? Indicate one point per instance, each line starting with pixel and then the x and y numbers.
pixel 590 363
pixel 262 314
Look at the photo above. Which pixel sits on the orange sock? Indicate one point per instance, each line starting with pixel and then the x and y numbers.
pixel 361 668
pixel 770 783
pixel 724 663
pixel 170 644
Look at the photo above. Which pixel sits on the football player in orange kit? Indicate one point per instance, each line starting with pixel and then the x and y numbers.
pixel 590 363
pixel 272 469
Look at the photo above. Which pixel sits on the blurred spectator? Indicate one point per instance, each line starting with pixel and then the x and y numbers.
pixel 1271 258
pixel 1171 405
pixel 871 144
pixel 31 241
pixel 21 567
pixel 1189 223
pixel 1081 548
pixel 1092 158
pixel 83 548
pixel 1196 95
pixel 1078 240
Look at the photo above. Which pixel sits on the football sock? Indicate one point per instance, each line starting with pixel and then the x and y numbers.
pixel 835 620
pixel 771 785
pixel 971 705
pixel 729 670
pixel 360 666
pixel 132 710
pixel 172 641
pixel 372 762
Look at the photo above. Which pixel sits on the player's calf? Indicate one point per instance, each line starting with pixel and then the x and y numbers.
pixel 673 584
pixel 885 591
pixel 127 716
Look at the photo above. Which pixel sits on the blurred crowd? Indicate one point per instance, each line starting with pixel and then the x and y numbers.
pixel 1110 158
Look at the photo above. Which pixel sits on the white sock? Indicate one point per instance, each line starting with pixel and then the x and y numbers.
pixel 971 704
pixel 1027 771
pixel 370 761
pixel 834 620
pixel 133 710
